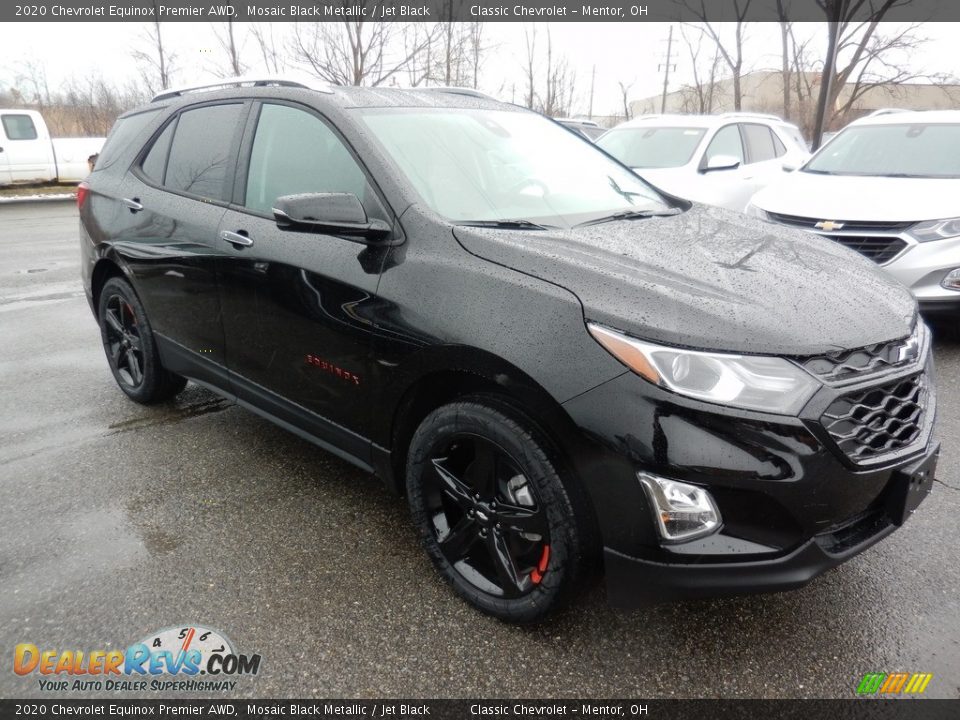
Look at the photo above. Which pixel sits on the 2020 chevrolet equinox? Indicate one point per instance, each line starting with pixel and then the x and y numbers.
pixel 561 368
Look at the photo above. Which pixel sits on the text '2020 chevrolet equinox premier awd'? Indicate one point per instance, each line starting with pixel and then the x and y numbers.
pixel 561 368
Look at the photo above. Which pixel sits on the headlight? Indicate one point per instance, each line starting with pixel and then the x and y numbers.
pixel 754 382
pixel 936 230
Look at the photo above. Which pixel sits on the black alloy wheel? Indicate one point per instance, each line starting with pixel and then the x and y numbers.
pixel 495 513
pixel 486 517
pixel 130 346
pixel 123 344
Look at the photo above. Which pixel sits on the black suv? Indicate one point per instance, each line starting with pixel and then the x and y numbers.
pixel 561 368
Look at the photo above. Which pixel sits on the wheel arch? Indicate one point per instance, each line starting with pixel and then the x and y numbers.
pixel 104 269
pixel 452 373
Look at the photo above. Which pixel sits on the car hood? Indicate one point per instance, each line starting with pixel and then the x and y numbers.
pixel 712 279
pixel 839 197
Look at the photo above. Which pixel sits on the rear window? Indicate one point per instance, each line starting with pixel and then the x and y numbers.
pixel 123 132
pixel 652 147
pixel 19 127
pixel 202 150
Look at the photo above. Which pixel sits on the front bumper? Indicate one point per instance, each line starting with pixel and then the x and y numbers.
pixel 635 581
pixel 793 503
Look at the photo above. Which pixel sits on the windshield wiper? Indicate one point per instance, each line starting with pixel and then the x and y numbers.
pixel 630 215
pixel 818 172
pixel 505 224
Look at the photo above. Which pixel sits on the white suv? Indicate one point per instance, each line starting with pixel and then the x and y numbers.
pixel 714 159
pixel 887 186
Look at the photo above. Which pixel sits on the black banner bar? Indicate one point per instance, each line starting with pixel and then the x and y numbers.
pixel 456 10
pixel 857 709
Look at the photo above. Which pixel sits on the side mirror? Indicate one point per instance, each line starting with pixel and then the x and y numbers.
pixel 328 214
pixel 790 165
pixel 722 162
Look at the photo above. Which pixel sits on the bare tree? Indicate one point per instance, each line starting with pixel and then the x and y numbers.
pixel 227 37
pixel 30 78
pixel 731 50
pixel 357 52
pixel 155 61
pixel 699 96
pixel 853 32
pixel 624 91
pixel 783 10
pixel 273 58
pixel 555 96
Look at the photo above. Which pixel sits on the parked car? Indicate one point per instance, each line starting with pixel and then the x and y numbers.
pixel 714 159
pixel 588 128
pixel 887 186
pixel 559 367
pixel 29 155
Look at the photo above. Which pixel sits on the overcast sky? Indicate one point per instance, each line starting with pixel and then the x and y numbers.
pixel 630 52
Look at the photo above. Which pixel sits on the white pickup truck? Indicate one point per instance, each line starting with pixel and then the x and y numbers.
pixel 29 155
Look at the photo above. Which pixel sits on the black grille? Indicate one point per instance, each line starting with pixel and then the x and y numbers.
pixel 880 249
pixel 879 420
pixel 862 226
pixel 843 364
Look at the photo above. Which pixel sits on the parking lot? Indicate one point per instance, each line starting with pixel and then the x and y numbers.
pixel 117 520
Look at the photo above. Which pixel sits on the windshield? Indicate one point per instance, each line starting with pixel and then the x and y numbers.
pixel 652 147
pixel 494 165
pixel 907 150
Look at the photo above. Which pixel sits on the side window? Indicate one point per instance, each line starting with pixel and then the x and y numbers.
pixel 760 145
pixel 296 152
pixel 19 127
pixel 154 165
pixel 725 142
pixel 202 150
pixel 123 132
pixel 780 147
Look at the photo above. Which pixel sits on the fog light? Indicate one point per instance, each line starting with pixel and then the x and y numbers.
pixel 952 280
pixel 683 511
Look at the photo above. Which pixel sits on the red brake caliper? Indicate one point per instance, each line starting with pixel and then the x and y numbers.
pixel 536 575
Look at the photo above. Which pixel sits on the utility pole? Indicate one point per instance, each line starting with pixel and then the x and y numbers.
pixel 593 78
pixel 666 71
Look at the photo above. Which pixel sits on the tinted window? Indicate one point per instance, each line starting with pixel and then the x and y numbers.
pixel 123 132
pixel 19 127
pixel 759 142
pixel 155 163
pixel 652 147
pixel 725 142
pixel 202 150
pixel 296 152
pixel 781 148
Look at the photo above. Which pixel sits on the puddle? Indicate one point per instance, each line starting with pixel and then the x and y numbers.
pixel 172 415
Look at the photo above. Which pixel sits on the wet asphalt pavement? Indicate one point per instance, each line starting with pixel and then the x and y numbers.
pixel 117 520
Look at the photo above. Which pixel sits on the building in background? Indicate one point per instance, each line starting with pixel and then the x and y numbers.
pixel 762 91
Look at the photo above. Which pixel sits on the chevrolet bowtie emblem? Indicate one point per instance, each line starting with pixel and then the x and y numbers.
pixel 828 225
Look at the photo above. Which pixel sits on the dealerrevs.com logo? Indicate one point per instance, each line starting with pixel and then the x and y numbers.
pixel 184 658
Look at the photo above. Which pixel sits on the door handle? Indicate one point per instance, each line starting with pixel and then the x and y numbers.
pixel 133 204
pixel 239 238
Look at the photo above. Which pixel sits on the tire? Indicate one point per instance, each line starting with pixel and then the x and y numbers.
pixel 479 519
pixel 130 346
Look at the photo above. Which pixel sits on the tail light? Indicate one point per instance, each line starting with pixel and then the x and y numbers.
pixel 82 191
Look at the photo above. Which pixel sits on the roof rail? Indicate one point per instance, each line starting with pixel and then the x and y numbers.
pixel 454 90
pixel 254 80
pixel 887 111
pixel 747 113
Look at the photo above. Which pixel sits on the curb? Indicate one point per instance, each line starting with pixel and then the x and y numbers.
pixel 50 197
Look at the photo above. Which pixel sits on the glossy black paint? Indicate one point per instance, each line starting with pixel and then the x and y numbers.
pixel 351 343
